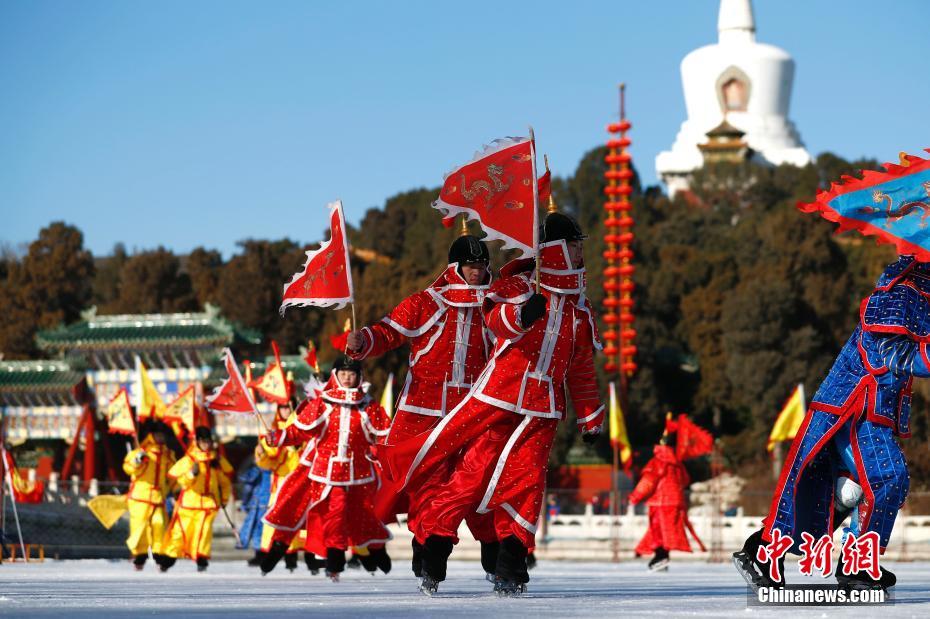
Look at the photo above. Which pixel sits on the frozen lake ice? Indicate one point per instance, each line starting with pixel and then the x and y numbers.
pixel 101 589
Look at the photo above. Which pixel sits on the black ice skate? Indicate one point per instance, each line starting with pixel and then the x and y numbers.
pixel 416 562
pixel 861 581
pixel 335 563
pixel 271 558
pixel 166 563
pixel 290 561
pixel 202 564
pixel 489 552
pixel 756 574
pixel 659 562
pixel 428 586
pixel 511 568
pixel 509 588
pixel 256 560
pixel 355 562
pixel 379 559
pixel 138 562
pixel 435 557
pixel 313 564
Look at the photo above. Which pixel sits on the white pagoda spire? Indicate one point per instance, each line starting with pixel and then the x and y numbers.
pixel 740 80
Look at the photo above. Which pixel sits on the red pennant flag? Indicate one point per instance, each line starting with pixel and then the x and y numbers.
pixel 310 357
pixel 544 185
pixel 233 395
pixel 326 279
pixel 498 188
pixel 692 441
pixel 273 384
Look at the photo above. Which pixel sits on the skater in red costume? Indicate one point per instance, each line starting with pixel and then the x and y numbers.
pixel 662 485
pixel 449 347
pixel 331 492
pixel 498 438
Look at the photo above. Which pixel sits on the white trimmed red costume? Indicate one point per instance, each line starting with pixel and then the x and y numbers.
pixel 330 493
pixel 498 438
pixel 449 347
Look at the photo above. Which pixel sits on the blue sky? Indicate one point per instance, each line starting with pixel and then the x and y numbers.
pixel 202 123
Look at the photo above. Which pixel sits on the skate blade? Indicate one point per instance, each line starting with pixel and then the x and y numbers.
pixel 750 578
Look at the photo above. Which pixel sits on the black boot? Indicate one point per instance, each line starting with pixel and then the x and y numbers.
pixel 380 559
pixel 290 561
pixel 416 563
pixel 659 562
pixel 256 560
pixel 436 553
pixel 756 574
pixel 489 551
pixel 531 560
pixel 138 562
pixel 335 562
pixel 511 568
pixel 166 563
pixel 159 559
pixel 862 580
pixel 366 561
pixel 354 562
pixel 274 554
pixel 313 564
pixel 202 564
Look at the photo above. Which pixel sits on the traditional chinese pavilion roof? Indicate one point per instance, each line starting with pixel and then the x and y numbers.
pixel 39 383
pixel 140 331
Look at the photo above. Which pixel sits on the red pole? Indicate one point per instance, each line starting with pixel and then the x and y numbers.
pixel 72 450
pixel 90 447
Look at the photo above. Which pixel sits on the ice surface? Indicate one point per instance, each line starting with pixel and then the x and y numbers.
pixel 112 589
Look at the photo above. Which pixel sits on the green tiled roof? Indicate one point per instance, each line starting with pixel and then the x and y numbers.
pixel 22 376
pixel 146 330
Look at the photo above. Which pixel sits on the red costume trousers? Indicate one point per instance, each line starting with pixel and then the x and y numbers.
pixel 343 517
pixel 485 466
pixel 405 427
pixel 666 530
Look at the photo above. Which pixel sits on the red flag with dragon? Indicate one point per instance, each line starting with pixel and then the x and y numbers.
pixel 326 279
pixel 498 188
pixel 233 395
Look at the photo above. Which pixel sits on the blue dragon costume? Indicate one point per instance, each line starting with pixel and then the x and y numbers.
pixel 845 459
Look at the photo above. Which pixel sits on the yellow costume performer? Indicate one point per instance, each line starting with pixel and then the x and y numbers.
pixel 206 486
pixel 147 467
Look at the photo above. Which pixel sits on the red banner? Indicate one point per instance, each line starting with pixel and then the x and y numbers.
pixel 498 188
pixel 232 396
pixel 326 279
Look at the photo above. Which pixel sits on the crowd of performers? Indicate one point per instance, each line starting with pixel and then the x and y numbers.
pixel 492 362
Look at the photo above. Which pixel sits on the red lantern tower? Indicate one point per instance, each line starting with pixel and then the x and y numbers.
pixel 618 255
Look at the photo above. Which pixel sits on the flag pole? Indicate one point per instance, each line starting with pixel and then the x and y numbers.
pixel 535 204
pixel 614 505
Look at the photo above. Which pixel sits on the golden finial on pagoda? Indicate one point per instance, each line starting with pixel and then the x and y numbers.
pixel 552 207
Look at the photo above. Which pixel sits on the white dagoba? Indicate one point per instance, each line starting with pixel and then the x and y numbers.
pixel 746 83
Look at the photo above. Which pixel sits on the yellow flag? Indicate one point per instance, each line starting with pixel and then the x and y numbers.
pixel 618 435
pixel 119 415
pixel 108 508
pixel 182 409
pixel 789 419
pixel 150 402
pixel 387 396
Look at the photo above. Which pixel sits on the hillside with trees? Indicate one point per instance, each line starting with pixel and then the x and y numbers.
pixel 739 296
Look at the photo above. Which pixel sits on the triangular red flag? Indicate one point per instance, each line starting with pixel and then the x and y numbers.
pixel 311 359
pixel 326 279
pixel 693 440
pixel 498 188
pixel 273 384
pixel 232 396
